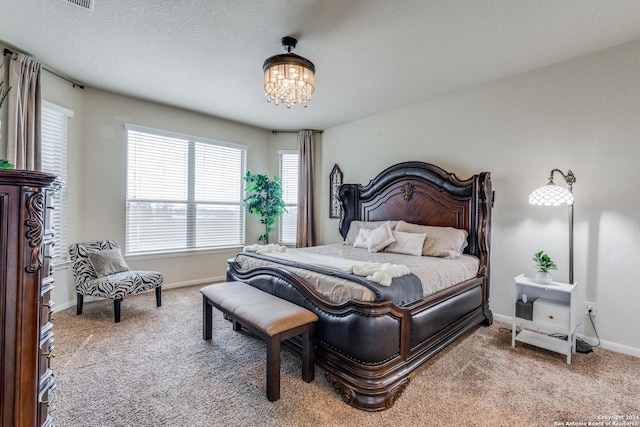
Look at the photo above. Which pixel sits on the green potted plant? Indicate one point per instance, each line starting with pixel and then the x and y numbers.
pixel 544 263
pixel 264 199
pixel 5 164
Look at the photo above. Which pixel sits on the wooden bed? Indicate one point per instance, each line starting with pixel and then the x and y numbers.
pixel 369 348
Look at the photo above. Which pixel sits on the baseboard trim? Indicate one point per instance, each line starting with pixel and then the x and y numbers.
pixel 613 346
pixel 204 281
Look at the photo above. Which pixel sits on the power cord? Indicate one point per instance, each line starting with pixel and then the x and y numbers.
pixel 594 329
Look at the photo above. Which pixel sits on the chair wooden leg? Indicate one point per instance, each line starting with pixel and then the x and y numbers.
pixel 159 296
pixel 80 299
pixel 207 318
pixel 116 309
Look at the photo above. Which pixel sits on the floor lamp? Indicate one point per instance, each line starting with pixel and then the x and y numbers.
pixel 553 195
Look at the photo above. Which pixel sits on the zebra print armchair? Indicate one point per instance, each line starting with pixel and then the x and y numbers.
pixel 100 271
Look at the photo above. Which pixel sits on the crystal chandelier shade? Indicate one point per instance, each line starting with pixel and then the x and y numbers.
pixel 288 78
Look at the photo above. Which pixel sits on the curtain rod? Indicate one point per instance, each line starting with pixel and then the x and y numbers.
pixel 73 83
pixel 275 132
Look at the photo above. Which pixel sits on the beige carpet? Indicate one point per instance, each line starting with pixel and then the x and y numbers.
pixel 154 369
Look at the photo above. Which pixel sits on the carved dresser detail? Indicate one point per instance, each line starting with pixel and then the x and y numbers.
pixel 26 335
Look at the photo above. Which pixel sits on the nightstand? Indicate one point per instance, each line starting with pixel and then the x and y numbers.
pixel 548 309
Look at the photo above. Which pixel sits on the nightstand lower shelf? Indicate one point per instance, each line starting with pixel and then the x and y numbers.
pixel 550 310
pixel 545 341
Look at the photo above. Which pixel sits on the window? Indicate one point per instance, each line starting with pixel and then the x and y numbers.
pixel 289 179
pixel 183 192
pixel 54 161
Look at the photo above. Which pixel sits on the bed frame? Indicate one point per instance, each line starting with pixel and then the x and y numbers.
pixel 369 348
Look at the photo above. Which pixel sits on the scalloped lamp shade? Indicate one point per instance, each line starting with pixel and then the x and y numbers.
pixel 551 195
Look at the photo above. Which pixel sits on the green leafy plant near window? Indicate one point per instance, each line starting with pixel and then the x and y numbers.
pixel 264 199
pixel 544 262
pixel 4 164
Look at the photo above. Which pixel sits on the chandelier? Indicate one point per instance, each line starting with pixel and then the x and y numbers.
pixel 288 78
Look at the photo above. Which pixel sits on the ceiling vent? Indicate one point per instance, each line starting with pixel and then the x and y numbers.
pixel 85 4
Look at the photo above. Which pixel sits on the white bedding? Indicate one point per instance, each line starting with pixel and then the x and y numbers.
pixel 435 273
pixel 381 273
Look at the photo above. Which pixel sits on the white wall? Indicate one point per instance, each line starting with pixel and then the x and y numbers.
pixel 582 115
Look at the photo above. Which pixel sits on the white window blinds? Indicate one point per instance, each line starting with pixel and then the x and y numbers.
pixel 54 161
pixel 289 179
pixel 183 192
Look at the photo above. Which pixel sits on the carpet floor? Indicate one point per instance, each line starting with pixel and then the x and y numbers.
pixel 154 369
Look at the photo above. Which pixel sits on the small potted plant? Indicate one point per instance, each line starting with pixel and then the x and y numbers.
pixel 544 263
pixel 4 164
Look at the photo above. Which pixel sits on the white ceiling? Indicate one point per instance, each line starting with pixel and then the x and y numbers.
pixel 370 55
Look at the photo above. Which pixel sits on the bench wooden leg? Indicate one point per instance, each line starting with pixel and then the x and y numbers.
pixel 207 315
pixel 273 368
pixel 236 325
pixel 308 354
pixel 159 296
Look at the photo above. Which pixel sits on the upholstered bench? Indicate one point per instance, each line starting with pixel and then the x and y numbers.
pixel 269 317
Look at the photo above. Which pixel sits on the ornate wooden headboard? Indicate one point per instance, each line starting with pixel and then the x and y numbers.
pixel 422 193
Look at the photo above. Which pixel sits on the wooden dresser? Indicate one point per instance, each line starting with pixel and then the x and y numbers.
pixel 26 335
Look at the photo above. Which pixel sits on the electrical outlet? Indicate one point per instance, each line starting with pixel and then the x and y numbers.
pixel 590 306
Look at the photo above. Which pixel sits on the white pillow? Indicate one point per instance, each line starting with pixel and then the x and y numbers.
pixel 407 243
pixel 356 226
pixel 361 238
pixel 374 240
pixel 440 241
pixel 380 238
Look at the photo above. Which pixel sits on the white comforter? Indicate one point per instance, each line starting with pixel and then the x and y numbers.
pixel 379 272
pixel 435 273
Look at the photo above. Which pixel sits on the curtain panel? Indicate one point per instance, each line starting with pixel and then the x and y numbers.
pixel 24 115
pixel 306 235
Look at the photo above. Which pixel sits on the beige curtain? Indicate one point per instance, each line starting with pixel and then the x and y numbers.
pixel 306 225
pixel 25 106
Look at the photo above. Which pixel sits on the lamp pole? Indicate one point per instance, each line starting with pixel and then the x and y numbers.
pixel 571 243
pixel 570 179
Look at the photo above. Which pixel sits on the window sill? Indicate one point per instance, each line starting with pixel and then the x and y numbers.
pixel 185 253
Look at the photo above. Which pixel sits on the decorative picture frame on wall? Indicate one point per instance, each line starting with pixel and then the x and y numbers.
pixel 335 181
